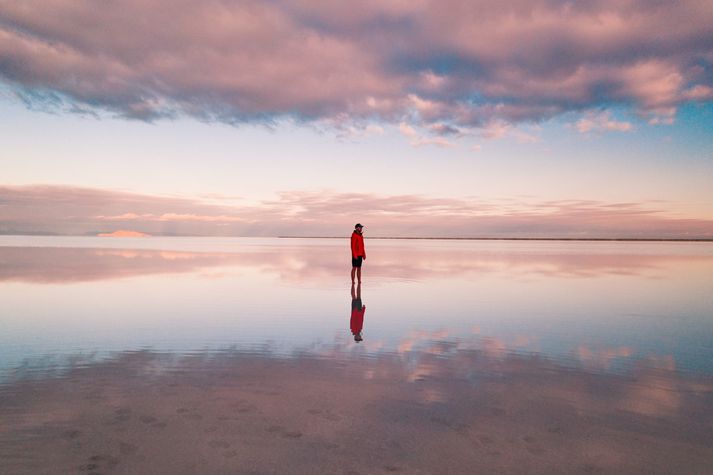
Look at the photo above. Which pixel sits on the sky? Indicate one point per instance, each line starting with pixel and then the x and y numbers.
pixel 450 118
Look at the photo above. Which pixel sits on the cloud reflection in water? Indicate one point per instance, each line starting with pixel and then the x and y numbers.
pixel 425 410
pixel 295 262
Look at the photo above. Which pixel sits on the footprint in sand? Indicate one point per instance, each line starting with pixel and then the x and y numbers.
pixel 485 440
pixel 323 445
pixel 122 414
pixel 147 419
pixel 533 449
pixel 536 450
pixel 219 444
pixel 328 415
pixel 288 434
pixel 188 414
pixel 127 449
pixel 88 466
pixel 242 406
pixel 96 462
pixel 591 468
pixel 72 434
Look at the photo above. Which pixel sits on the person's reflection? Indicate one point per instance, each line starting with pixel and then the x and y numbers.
pixel 357 320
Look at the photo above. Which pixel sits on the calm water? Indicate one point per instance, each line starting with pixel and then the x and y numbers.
pixel 598 306
pixel 604 331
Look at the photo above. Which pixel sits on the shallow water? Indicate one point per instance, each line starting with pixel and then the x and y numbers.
pixel 238 354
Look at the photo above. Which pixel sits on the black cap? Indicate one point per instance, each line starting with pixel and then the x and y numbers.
pixel 358 225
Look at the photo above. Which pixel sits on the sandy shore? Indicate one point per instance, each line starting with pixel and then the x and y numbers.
pixel 142 413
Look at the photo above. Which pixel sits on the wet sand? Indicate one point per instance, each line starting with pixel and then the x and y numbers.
pixel 419 412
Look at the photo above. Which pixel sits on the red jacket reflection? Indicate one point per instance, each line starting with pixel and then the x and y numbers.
pixel 357 321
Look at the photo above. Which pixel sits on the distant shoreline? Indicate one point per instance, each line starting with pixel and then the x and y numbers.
pixel 509 239
pixel 404 238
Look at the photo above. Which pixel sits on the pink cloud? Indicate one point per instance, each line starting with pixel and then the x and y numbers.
pixel 72 210
pixel 602 359
pixel 458 63
pixel 601 121
pixel 437 141
pixel 406 130
pixel 419 140
pixel 187 217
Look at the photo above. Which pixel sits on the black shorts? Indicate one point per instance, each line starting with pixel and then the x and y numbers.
pixel 356 261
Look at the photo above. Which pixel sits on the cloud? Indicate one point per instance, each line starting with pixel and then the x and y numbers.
pixel 500 129
pixel 79 211
pixel 418 140
pixel 407 131
pixel 123 233
pixel 74 210
pixel 699 93
pixel 444 129
pixel 453 64
pixel 495 130
pixel 438 141
pixel 601 122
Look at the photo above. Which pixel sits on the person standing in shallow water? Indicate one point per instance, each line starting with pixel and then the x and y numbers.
pixel 358 252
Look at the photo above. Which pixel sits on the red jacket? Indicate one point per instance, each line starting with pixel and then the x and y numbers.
pixel 358 245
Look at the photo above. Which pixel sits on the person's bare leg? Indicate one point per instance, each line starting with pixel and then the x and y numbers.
pixel 358 274
pixel 353 272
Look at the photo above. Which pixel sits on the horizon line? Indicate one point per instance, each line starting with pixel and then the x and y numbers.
pixel 505 238
pixel 425 238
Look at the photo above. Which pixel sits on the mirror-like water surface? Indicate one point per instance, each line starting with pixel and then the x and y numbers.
pixel 594 305
pixel 240 355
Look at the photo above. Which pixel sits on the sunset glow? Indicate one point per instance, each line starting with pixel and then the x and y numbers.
pixel 432 119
